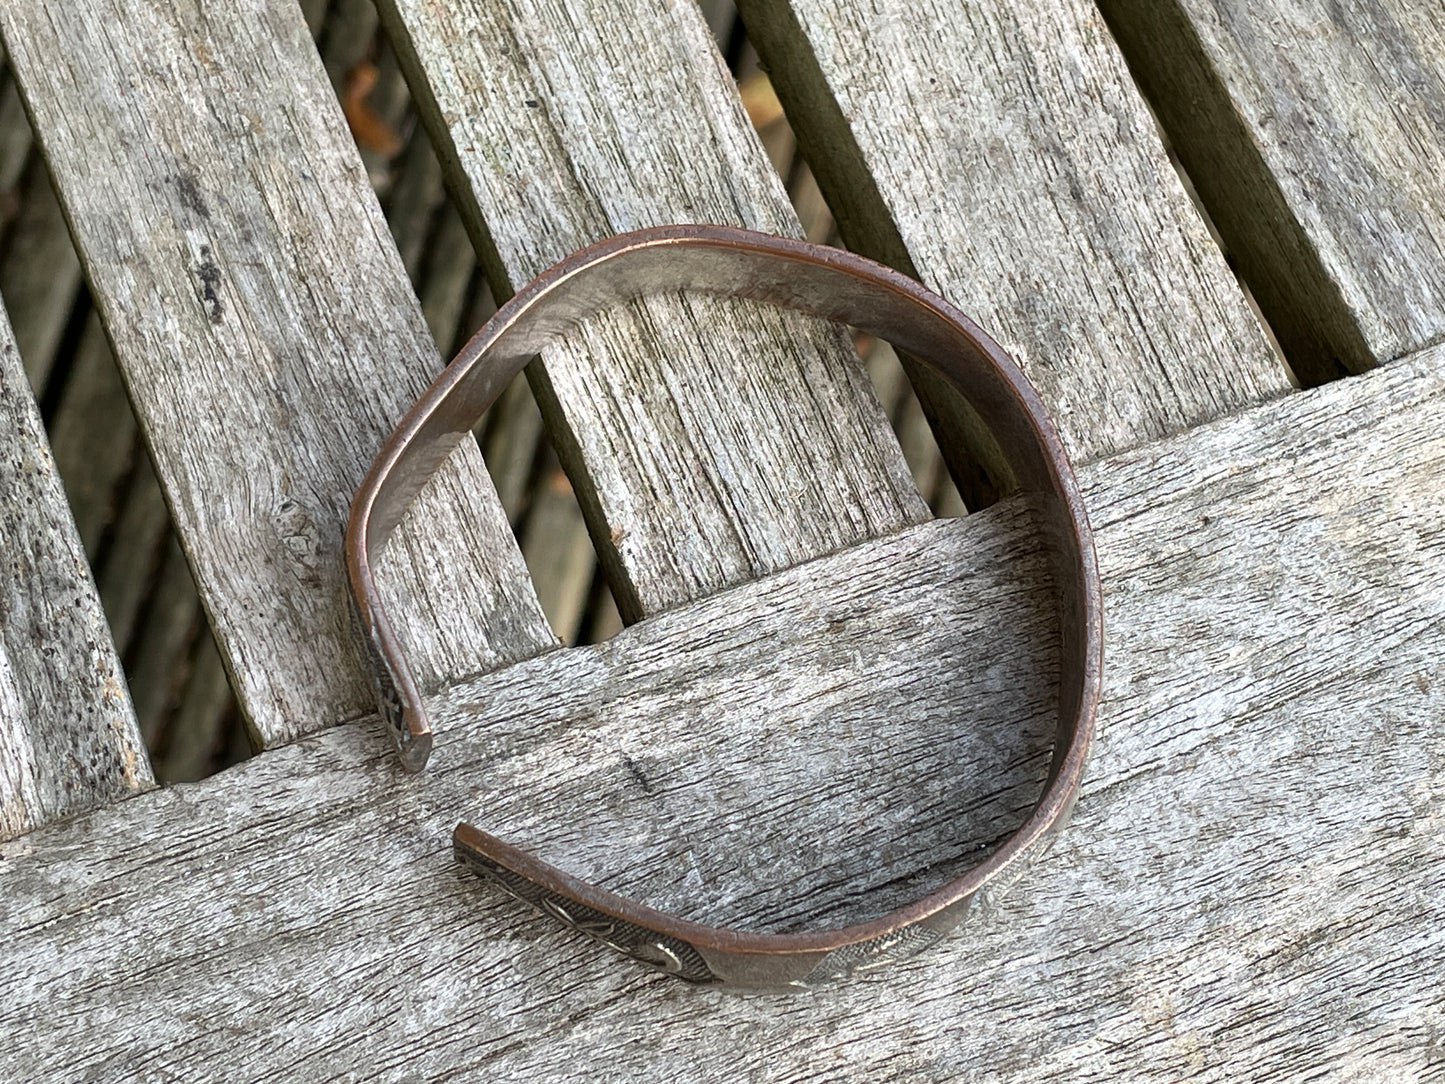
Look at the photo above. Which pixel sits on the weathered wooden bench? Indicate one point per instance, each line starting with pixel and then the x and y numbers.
pixel 828 700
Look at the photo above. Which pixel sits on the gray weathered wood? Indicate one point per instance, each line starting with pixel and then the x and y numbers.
pixel 102 465
pixel 1315 135
pixel 440 259
pixel 268 336
pixel 1251 888
pixel 542 506
pixel 1001 153
pixel 68 736
pixel 686 427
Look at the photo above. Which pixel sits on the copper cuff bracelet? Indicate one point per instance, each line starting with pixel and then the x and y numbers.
pixel 837 286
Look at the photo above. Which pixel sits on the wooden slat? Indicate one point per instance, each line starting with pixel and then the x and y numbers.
pixel 97 451
pixel 1315 135
pixel 68 736
pixel 1001 153
pixel 440 259
pixel 708 442
pixel 1251 888
pixel 123 524
pixel 268 337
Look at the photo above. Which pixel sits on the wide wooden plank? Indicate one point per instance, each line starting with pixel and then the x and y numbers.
pixel 1314 132
pixel 707 442
pixel 68 734
pixel 1251 888
pixel 268 337
pixel 1000 153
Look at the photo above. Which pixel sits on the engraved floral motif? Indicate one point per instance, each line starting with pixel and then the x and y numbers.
pixel 850 960
pixel 383 681
pixel 669 954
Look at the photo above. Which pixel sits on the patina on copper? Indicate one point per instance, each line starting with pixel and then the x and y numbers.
pixel 824 282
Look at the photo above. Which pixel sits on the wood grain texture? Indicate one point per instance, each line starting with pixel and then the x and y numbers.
pixel 68 735
pixel 1315 135
pixel 1251 888
pixel 708 442
pixel 1000 153
pixel 268 337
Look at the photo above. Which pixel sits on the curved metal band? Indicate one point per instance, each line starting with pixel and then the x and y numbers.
pixel 824 282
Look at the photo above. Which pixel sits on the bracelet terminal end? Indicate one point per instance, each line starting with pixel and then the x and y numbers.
pixel 410 731
pixel 413 744
pixel 603 918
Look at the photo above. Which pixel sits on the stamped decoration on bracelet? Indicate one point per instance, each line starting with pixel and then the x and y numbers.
pixel 824 282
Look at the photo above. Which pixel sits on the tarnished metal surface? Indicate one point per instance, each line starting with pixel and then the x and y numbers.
pixel 824 282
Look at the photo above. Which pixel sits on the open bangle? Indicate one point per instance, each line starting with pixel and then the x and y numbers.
pixel 837 286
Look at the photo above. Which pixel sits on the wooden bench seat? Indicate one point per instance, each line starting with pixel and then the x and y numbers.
pixel 268 337
pixel 828 701
pixel 1218 895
